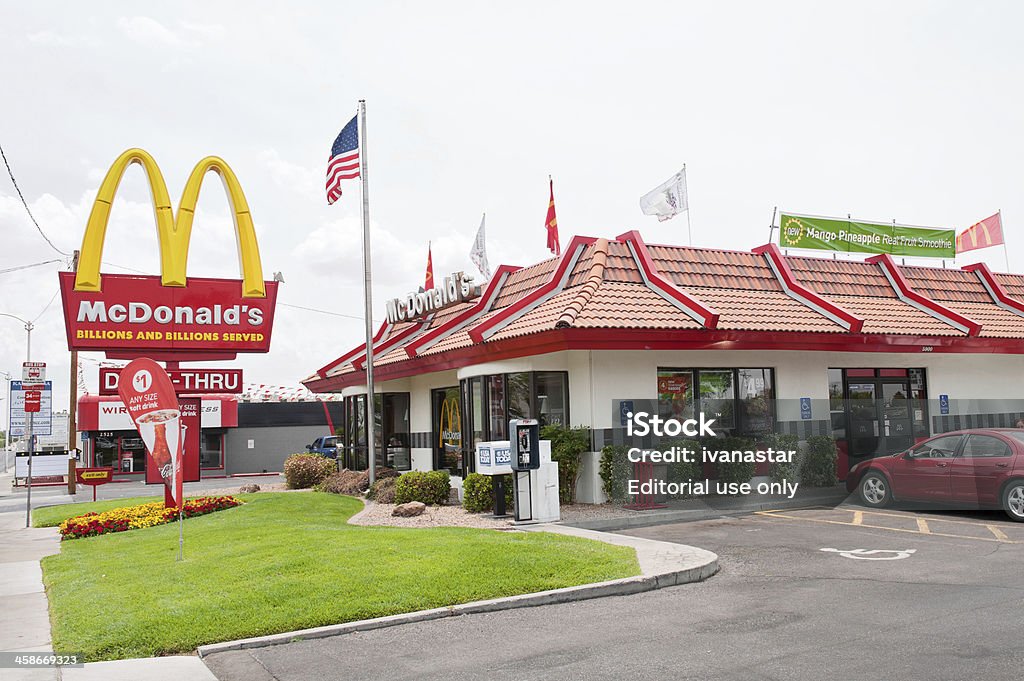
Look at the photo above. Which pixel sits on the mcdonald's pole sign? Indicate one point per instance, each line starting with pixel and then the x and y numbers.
pixel 168 317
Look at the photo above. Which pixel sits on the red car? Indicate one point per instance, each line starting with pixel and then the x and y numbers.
pixel 978 468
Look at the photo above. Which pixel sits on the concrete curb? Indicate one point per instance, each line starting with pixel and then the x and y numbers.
pixel 662 564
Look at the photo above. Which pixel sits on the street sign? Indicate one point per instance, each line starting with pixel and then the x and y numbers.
pixel 33 401
pixel 41 424
pixel 33 372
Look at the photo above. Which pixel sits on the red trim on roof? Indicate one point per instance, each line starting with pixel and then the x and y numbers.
pixel 322 372
pixel 557 340
pixel 391 342
pixel 701 313
pixel 555 283
pixel 797 291
pixel 910 296
pixel 995 289
pixel 482 306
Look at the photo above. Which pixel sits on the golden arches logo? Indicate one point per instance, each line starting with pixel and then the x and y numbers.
pixel 174 232
pixel 450 426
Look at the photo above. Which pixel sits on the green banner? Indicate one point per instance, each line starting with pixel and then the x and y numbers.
pixel 849 236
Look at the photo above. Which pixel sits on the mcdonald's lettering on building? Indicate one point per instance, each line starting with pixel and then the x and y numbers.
pixel 170 316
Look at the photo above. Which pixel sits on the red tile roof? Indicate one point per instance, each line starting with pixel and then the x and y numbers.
pixel 606 291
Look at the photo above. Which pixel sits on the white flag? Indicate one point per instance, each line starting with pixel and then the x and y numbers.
pixel 479 253
pixel 668 199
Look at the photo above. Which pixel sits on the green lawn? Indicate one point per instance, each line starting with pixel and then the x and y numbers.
pixel 290 561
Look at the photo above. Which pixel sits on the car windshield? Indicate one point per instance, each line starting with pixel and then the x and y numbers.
pixel 330 442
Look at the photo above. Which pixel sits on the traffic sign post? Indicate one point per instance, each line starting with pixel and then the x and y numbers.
pixel 35 373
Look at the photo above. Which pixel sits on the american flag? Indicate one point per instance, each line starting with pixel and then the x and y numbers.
pixel 344 161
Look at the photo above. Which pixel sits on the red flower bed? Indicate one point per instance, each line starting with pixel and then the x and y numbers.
pixel 142 515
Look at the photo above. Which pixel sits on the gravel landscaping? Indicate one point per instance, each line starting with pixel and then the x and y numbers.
pixel 433 516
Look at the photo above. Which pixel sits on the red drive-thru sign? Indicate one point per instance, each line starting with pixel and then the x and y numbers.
pixel 94 477
pixel 186 381
pixel 148 394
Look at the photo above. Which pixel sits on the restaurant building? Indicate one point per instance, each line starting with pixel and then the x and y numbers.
pixel 875 353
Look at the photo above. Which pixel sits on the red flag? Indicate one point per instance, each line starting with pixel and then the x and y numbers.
pixel 148 394
pixel 552 222
pixel 988 232
pixel 429 284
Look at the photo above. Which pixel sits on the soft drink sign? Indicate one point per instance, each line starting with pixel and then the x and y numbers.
pixel 148 394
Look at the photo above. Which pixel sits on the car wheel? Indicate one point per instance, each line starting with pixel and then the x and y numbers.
pixel 874 490
pixel 1013 500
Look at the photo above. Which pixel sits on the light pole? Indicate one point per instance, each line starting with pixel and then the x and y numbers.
pixel 28 431
pixel 7 428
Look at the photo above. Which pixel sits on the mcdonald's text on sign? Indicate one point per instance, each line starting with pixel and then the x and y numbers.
pixel 186 381
pixel 173 315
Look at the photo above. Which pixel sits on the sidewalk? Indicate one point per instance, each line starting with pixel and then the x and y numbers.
pixel 25 619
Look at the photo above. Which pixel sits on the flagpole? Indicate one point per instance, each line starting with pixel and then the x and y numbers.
pixel 1006 253
pixel 371 418
pixel 689 230
pixel 771 227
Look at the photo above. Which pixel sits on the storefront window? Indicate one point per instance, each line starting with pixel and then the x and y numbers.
pixel 552 398
pixel 519 391
pixel 717 399
pixel 105 451
pixel 496 407
pixel 493 400
pixel 754 392
pixel 740 400
pixel 391 432
pixel 837 403
pixel 675 393
pixel 919 402
pixel 211 451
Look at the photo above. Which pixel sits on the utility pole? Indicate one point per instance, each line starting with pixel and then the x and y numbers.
pixel 73 399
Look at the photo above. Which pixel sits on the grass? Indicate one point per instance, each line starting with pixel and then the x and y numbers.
pixel 290 561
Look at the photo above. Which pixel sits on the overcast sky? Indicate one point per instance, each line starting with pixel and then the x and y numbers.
pixel 908 111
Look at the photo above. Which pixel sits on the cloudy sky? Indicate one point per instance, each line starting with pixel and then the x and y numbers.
pixel 906 111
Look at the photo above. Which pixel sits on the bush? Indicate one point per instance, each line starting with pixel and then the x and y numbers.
pixel 819 464
pixel 567 444
pixel 783 471
pixel 306 470
pixel 616 471
pixel 478 493
pixel 353 483
pixel 728 471
pixel 684 471
pixel 383 491
pixel 427 487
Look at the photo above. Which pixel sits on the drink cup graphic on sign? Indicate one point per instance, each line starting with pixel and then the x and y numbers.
pixel 148 394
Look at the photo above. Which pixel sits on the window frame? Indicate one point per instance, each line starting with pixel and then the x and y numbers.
pixel 739 426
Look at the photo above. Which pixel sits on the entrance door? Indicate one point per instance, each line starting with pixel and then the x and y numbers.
pixel 446 407
pixel 880 417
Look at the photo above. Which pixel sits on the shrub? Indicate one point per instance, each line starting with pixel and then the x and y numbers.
pixel 781 442
pixel 819 464
pixel 684 471
pixel 426 487
pixel 383 491
pixel 729 471
pixel 306 470
pixel 615 470
pixel 478 493
pixel 353 483
pixel 567 444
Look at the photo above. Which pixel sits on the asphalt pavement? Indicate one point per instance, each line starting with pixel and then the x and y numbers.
pixel 803 594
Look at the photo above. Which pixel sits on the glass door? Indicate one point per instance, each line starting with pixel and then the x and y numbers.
pixel 864 427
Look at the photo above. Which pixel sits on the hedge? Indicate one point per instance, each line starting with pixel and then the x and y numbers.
pixel 478 493
pixel 306 470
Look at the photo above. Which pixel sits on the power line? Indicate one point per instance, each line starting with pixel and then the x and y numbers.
pixel 25 267
pixel 47 306
pixel 25 203
pixel 313 309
